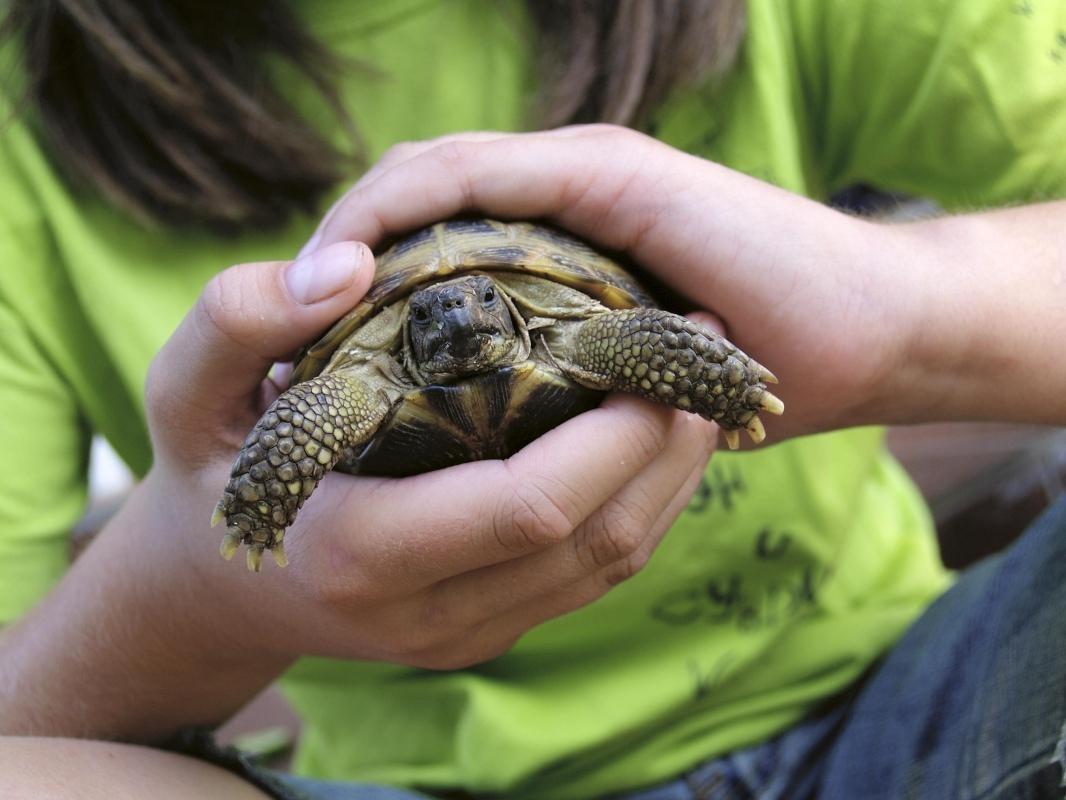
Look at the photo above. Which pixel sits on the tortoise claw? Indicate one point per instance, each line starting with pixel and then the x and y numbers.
pixel 278 551
pixel 756 430
pixel 771 403
pixel 732 438
pixel 230 542
pixel 218 516
pixel 255 557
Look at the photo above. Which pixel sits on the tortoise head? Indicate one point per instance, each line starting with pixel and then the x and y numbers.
pixel 460 327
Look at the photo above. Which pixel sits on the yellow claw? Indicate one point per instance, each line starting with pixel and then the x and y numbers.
pixel 230 542
pixel 255 558
pixel 732 438
pixel 218 516
pixel 756 430
pixel 278 551
pixel 772 404
pixel 766 375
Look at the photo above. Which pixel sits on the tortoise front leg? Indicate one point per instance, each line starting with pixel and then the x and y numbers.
pixel 667 358
pixel 290 449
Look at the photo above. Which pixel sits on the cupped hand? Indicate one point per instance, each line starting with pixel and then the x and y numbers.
pixel 152 630
pixel 438 570
pixel 817 296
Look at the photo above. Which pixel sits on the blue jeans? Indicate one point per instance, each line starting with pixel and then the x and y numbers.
pixel 969 705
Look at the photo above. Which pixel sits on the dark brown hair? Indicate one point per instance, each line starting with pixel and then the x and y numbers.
pixel 616 60
pixel 170 108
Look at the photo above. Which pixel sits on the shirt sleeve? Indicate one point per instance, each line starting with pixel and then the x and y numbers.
pixel 43 490
pixel 960 101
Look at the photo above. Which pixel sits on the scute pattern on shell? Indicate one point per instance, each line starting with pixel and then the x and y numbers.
pixel 463 245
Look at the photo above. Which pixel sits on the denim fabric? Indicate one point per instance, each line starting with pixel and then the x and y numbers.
pixel 970 705
pixel 786 767
pixel 291 787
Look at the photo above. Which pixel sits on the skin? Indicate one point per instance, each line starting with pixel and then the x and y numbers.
pixel 450 568
pixel 49 769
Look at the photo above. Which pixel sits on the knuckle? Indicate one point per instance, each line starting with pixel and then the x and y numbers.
pixel 399 152
pixel 613 534
pixel 229 310
pixel 609 130
pixel 531 518
pixel 217 297
pixel 219 308
pixel 575 189
pixel 454 158
pixel 617 135
pixel 621 571
pixel 647 434
pixel 646 219
pixel 451 151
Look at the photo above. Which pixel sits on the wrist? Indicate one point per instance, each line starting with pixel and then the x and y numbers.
pixel 132 644
pixel 864 320
pixel 957 338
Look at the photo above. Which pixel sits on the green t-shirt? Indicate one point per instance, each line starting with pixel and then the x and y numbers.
pixel 794 566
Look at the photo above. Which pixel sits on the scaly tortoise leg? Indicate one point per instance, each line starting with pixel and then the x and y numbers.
pixel 666 358
pixel 290 449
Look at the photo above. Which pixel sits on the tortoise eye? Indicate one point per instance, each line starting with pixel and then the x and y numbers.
pixel 419 314
pixel 490 295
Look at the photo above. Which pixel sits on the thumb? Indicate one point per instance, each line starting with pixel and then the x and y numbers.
pixel 248 317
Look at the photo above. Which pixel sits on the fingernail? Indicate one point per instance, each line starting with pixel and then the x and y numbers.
pixel 322 273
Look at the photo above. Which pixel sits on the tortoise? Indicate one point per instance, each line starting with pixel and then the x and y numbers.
pixel 476 337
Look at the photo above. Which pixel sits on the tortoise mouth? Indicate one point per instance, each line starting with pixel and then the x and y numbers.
pixel 467 353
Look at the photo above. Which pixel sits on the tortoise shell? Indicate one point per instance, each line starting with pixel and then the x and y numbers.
pixel 449 249
pixel 490 415
pixel 475 338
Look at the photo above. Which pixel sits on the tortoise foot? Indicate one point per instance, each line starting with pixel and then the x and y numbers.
pixel 666 358
pixel 290 449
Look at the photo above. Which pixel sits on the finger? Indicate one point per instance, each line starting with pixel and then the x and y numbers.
pixel 405 151
pixel 497 635
pixel 394 156
pixel 493 607
pixel 685 218
pixel 708 320
pixel 420 530
pixel 576 178
pixel 612 543
pixel 280 375
pixel 276 382
pixel 248 317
